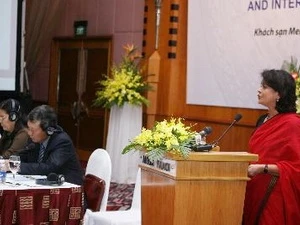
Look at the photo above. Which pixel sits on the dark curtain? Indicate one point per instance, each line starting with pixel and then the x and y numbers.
pixel 42 17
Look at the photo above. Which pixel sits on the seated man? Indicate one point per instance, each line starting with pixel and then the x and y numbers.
pixel 50 149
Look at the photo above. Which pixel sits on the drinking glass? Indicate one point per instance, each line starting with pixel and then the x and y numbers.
pixel 14 164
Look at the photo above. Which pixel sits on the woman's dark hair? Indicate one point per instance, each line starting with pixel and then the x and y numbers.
pixel 282 82
pixel 14 110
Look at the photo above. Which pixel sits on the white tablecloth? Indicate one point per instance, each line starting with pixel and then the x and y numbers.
pixel 22 182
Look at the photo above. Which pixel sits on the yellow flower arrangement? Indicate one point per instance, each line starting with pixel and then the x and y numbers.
pixel 168 136
pixel 126 83
pixel 293 68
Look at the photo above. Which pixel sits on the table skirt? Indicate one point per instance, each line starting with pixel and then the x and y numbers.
pixel 41 206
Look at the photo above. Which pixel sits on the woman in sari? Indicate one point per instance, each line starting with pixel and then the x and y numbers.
pixel 273 193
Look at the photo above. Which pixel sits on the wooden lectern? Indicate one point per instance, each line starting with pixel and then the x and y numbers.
pixel 208 188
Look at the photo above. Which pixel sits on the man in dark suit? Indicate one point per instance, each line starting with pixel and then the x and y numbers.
pixel 50 149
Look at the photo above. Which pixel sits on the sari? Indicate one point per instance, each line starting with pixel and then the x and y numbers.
pixel 277 141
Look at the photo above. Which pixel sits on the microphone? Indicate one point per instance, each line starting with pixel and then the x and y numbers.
pixel 206 131
pixel 236 119
pixel 200 140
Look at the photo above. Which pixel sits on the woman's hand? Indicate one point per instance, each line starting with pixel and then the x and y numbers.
pixel 254 169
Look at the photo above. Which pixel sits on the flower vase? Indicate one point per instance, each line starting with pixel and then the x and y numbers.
pixel 125 123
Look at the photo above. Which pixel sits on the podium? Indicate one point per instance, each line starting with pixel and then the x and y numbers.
pixel 208 188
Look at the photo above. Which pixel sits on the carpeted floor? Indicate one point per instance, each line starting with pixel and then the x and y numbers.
pixel 120 196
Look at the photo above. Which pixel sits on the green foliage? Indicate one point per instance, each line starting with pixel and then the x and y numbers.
pixel 166 137
pixel 126 83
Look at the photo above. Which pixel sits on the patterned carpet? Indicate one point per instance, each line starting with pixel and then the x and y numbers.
pixel 120 196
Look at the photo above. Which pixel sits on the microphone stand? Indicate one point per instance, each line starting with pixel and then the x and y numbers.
pixel 214 143
pixel 207 147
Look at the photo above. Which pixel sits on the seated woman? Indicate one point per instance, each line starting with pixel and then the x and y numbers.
pixel 14 136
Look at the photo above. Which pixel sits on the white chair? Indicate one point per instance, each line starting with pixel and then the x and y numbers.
pixel 132 216
pixel 99 164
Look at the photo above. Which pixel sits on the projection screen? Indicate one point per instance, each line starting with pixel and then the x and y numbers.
pixel 231 42
pixel 10 12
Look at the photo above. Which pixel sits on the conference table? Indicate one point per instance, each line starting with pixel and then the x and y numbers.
pixel 22 201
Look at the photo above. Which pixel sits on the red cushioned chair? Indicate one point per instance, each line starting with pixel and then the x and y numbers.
pixel 94 188
pixel 99 164
pixel 132 216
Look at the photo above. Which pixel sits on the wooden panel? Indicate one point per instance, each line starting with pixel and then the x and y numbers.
pixel 97 66
pixel 171 87
pixel 84 155
pixel 175 202
pixel 200 191
pixel 67 122
pixel 91 136
pixel 207 165
pixel 67 77
pixel 209 202
pixel 156 192
pixel 76 65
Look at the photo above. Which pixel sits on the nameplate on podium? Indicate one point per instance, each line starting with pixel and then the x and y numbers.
pixel 167 166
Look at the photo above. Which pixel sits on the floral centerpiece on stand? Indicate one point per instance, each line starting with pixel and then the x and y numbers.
pixel 166 137
pixel 126 83
pixel 293 68
pixel 122 92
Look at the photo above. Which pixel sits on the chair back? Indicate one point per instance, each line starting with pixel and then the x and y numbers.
pixel 99 165
pixel 94 188
pixel 136 199
pixel 132 216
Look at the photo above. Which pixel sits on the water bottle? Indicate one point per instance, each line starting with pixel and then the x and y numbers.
pixel 2 170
